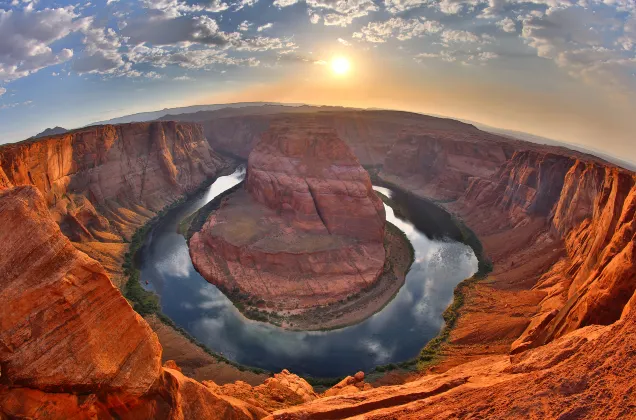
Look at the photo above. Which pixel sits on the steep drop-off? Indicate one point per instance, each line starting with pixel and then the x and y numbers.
pixel 70 344
pixel 559 226
pixel 307 229
pixel 101 183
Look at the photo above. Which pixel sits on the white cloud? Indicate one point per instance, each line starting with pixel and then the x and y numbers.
pixel 26 37
pixel 344 42
pixel 15 104
pixel 190 59
pixel 183 78
pixel 402 29
pixel 175 8
pixel 101 54
pixel 264 27
pixel 453 36
pixel 397 6
pixel 165 30
pixel 314 18
pixel 263 43
pixel 285 3
pixel 245 3
pixel 341 12
pixel 507 25
pixel 244 26
pixel 594 45
pixel 2 91
pixel 463 57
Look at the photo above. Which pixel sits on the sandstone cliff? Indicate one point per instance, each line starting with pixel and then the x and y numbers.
pixel 558 224
pixel 101 183
pixel 370 134
pixel 307 229
pixel 70 344
pixel 440 164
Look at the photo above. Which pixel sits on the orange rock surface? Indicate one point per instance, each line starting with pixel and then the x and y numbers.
pixel 63 325
pixel 307 229
pixel 101 183
pixel 585 374
pixel 71 345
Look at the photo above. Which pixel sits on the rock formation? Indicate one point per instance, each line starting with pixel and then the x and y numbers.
pixel 102 183
pixel 585 374
pixel 70 344
pixel 559 226
pixel 307 230
pixel 439 164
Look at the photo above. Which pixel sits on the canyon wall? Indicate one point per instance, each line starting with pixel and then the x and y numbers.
pixel 550 333
pixel 590 206
pixel 558 224
pixel 370 134
pixel 441 164
pixel 102 183
pixel 70 345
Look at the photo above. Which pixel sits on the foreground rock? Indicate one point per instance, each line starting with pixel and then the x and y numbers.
pixel 63 325
pixel 307 229
pixel 585 374
pixel 71 346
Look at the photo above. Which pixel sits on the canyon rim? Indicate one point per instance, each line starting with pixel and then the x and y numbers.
pixel 549 333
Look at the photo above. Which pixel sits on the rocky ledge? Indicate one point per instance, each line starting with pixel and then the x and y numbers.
pixel 307 230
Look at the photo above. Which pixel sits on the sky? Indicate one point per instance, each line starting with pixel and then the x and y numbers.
pixel 563 69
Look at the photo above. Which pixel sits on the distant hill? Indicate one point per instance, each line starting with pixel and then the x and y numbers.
pixel 572 146
pixel 249 110
pixel 51 132
pixel 154 115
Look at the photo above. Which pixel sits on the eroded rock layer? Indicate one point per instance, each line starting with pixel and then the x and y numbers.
pixel 70 344
pixel 559 226
pixel 306 230
pixel 102 183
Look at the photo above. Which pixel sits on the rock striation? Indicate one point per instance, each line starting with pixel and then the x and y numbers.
pixel 63 326
pixel 101 183
pixel 559 226
pixel 306 230
pixel 70 345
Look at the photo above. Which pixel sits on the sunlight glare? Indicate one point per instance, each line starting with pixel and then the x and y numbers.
pixel 340 65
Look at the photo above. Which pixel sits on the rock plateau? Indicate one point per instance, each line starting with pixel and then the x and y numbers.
pixel 307 229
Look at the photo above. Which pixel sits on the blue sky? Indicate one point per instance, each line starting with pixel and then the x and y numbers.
pixel 564 69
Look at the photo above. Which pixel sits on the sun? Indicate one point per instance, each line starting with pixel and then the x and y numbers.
pixel 340 65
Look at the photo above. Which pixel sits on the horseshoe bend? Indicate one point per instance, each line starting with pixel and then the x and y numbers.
pixel 307 229
pixel 545 329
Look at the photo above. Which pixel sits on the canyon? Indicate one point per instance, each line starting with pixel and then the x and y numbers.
pixel 307 229
pixel 548 333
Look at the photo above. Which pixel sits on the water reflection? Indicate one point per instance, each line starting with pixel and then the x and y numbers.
pixel 395 334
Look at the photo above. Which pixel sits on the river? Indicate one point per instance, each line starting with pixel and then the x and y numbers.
pixel 395 334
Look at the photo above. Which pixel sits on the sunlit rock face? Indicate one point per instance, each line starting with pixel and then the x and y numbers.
pixel 309 175
pixel 64 327
pixel 70 344
pixel 101 183
pixel 306 230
